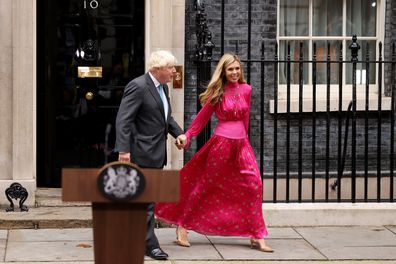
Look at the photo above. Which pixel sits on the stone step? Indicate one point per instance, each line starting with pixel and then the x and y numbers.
pixel 48 217
pixel 49 197
pixel 49 212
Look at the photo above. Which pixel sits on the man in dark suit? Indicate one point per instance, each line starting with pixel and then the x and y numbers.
pixel 143 122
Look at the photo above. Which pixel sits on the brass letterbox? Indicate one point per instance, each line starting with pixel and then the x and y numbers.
pixel 89 72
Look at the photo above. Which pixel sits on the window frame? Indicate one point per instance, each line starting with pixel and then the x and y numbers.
pixel 334 88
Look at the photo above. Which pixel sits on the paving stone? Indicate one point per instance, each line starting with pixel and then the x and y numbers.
pixel 51 262
pixel 3 244
pixel 304 245
pixel 285 232
pixel 49 251
pixel 359 242
pixel 392 228
pixel 168 236
pixel 287 262
pixel 222 262
pixel 150 261
pixel 201 248
pixel 285 249
pixel 24 235
pixel 3 234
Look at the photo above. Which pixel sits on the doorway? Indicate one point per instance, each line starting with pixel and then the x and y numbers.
pixel 87 51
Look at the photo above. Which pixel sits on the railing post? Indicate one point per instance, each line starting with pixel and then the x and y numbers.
pixel 340 97
pixel 203 55
pixel 392 145
pixel 354 47
pixel 300 118
pixel 262 111
pixel 327 176
pixel 379 123
pixel 313 151
pixel 366 124
pixel 288 98
pixel 275 184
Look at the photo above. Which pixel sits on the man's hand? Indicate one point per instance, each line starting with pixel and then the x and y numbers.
pixel 181 141
pixel 124 157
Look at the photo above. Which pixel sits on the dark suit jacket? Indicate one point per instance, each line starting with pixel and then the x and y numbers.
pixel 141 128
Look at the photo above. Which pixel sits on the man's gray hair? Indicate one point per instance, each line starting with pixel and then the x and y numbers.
pixel 161 58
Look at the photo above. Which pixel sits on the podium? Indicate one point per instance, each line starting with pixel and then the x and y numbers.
pixel 119 226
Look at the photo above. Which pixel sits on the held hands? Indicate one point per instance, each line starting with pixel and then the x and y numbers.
pixel 181 141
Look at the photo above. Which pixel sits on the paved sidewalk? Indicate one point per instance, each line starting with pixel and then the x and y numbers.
pixel 64 235
pixel 301 245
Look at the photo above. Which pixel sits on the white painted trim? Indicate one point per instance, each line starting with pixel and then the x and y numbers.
pixel 321 105
pixel 329 214
pixel 164 29
pixel 147 30
pixel 34 97
pixel 321 90
pixel 323 187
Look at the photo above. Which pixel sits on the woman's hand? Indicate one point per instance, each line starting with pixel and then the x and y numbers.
pixel 181 141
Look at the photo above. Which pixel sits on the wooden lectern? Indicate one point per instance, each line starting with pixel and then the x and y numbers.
pixel 119 228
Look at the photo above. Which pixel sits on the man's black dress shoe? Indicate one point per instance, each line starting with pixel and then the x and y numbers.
pixel 156 253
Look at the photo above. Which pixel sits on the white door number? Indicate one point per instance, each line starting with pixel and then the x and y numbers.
pixel 93 4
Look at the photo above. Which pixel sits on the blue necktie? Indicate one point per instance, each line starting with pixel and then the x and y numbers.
pixel 163 98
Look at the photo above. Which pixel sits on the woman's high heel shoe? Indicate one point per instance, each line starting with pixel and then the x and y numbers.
pixel 260 245
pixel 182 237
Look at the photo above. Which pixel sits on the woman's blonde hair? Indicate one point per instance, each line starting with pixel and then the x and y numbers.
pixel 215 89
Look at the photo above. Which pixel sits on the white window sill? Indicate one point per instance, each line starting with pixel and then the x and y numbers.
pixel 322 103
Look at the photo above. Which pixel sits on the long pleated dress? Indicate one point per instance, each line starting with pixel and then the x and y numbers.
pixel 220 187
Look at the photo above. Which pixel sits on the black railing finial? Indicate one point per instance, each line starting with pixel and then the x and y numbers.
pixel 205 45
pixel 314 50
pixel 354 47
pixel 209 46
pixel 380 49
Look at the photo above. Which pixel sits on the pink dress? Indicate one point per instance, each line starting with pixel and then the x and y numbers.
pixel 220 187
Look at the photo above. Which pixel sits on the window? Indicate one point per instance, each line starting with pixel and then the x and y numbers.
pixel 328 22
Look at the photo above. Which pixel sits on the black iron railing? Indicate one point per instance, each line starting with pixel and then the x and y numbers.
pixel 312 150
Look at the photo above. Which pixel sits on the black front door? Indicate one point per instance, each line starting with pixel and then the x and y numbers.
pixel 87 51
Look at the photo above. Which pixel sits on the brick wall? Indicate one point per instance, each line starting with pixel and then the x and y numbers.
pixel 390 37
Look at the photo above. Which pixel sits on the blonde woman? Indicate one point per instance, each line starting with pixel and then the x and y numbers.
pixel 221 188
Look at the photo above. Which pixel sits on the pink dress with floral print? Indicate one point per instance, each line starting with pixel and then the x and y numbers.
pixel 220 187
